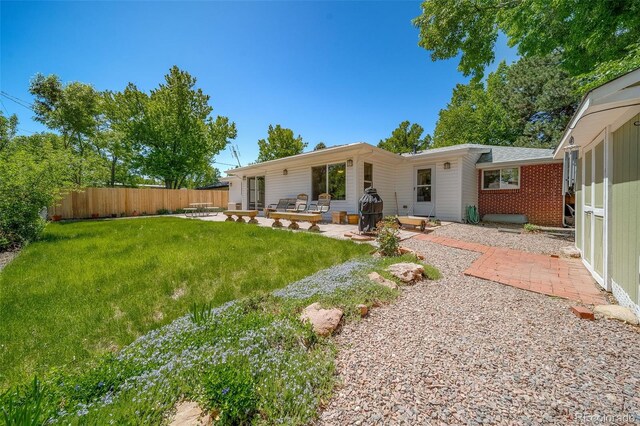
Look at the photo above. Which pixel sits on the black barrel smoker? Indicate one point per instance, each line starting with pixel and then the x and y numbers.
pixel 370 210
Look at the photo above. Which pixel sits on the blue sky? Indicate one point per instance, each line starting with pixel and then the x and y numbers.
pixel 337 72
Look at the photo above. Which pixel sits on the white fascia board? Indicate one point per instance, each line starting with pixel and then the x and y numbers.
pixel 531 162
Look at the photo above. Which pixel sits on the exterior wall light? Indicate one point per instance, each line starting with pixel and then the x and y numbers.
pixel 447 165
pixel 285 172
pixel 349 162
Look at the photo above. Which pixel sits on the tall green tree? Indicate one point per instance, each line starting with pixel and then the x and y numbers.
pixel 406 138
pixel 540 99
pixel 526 104
pixel 205 177
pixel 173 129
pixel 319 146
pixel 74 110
pixel 120 110
pixel 8 127
pixel 280 143
pixel 585 33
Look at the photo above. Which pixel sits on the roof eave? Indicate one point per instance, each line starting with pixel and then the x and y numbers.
pixel 514 163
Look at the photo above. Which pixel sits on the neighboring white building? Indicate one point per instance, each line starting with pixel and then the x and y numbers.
pixel 439 182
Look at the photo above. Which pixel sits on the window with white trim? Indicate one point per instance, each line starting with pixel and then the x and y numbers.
pixel 368 175
pixel 508 178
pixel 330 178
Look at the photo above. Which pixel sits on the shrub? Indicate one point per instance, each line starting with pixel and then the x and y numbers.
pixel 33 174
pixel 388 239
pixel 163 211
pixel 530 227
pixel 230 391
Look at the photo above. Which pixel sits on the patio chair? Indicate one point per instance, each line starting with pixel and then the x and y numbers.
pixel 283 205
pixel 301 204
pixel 322 205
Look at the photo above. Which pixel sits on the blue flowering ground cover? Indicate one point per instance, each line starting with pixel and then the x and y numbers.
pixel 250 361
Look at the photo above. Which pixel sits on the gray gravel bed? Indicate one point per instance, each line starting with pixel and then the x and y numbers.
pixel 466 351
pixel 488 234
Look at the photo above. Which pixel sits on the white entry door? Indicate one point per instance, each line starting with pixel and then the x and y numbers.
pixel 423 191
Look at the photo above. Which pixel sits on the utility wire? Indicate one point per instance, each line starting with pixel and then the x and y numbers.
pixel 8 113
pixel 224 164
pixel 4 107
pixel 18 101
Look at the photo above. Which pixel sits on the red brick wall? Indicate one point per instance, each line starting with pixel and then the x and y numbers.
pixel 539 196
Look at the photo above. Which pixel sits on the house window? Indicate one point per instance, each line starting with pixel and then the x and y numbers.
pixel 423 185
pixel 501 178
pixel 368 175
pixel 331 178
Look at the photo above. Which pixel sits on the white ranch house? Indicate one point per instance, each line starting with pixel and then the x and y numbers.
pixel 439 182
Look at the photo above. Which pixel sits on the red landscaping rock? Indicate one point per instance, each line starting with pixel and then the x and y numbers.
pixel 364 310
pixel 582 312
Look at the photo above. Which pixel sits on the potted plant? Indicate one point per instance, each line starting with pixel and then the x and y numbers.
pixel 135 213
pixel 95 215
pixel 56 218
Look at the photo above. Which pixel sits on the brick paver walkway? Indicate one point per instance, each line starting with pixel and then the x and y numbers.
pixel 540 273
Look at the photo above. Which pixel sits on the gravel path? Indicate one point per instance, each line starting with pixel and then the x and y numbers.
pixel 466 351
pixel 488 234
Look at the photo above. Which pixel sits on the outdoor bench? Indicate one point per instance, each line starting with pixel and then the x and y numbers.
pixel 294 218
pixel 251 214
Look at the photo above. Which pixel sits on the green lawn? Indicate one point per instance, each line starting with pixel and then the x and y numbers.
pixel 92 287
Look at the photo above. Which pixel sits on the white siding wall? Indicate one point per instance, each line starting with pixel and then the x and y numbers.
pixel 298 181
pixel 448 190
pixel 384 179
pixel 469 181
pixel 446 193
pixel 454 188
pixel 235 190
pixel 404 187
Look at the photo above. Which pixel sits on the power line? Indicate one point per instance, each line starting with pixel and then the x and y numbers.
pixel 25 130
pixel 224 164
pixel 4 107
pixel 16 100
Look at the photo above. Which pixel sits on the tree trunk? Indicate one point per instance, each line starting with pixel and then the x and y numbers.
pixel 113 171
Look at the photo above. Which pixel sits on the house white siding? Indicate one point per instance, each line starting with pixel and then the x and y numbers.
pixel 469 181
pixel 448 191
pixel 384 179
pixel 235 190
pixel 297 181
pixel 452 188
pixel 404 187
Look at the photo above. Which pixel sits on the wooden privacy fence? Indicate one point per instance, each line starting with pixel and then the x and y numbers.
pixel 107 202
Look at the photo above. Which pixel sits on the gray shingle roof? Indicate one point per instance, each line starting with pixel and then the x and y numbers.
pixel 506 154
pixel 449 148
